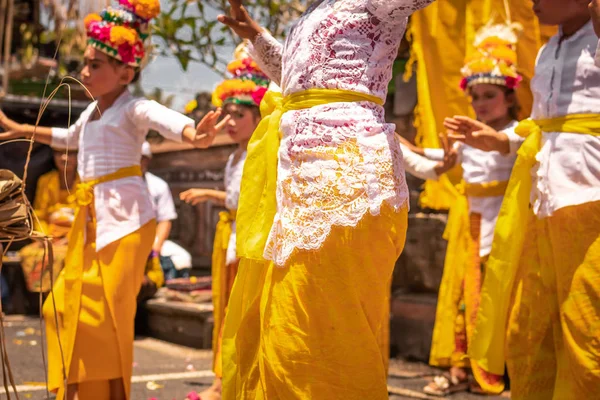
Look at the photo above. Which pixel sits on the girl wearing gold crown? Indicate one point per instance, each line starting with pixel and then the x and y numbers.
pixel 490 79
pixel 323 209
pixel 240 98
pixel 90 314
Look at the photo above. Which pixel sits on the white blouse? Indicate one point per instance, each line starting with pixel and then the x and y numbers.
pixel 484 167
pixel 341 160
pixel 233 183
pixel 112 142
pixel 566 81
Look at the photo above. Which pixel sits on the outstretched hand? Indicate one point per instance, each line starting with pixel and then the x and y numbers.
pixel 476 134
pixel 240 21
pixel 208 128
pixel 12 129
pixel 195 196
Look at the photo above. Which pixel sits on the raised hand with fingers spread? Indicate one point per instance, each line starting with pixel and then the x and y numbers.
pixel 207 129
pixel 477 134
pixel 240 21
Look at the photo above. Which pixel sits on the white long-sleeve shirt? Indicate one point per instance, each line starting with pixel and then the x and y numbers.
pixel 419 166
pixel 485 167
pixel 112 142
pixel 566 81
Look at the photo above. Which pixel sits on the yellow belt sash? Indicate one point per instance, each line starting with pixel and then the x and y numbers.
pixel 73 270
pixel 258 204
pixel 488 344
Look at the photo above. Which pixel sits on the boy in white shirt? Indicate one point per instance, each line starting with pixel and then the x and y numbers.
pixel 544 269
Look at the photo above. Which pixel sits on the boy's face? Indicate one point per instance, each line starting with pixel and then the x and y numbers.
pixel 101 75
pixel 557 12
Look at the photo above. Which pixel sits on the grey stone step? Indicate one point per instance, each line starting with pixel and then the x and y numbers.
pixel 186 324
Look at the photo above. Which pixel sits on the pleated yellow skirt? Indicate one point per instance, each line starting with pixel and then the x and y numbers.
pixel 553 346
pixel 103 346
pixel 319 327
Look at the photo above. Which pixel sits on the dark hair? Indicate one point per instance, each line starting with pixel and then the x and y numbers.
pixel 514 110
pixel 254 109
pixel 137 71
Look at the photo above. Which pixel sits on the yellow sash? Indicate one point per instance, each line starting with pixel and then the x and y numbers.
pixel 258 204
pixel 73 270
pixel 488 344
pixel 219 281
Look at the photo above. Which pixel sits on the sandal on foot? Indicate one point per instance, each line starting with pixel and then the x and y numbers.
pixel 444 385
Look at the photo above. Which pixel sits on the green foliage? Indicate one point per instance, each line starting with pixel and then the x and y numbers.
pixel 189 30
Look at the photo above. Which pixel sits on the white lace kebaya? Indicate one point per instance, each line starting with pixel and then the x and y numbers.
pixel 341 160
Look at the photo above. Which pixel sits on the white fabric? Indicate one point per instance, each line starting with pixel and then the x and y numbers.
pixel 162 199
pixel 419 166
pixel 484 167
pixel 180 256
pixel 566 81
pixel 113 142
pixel 146 150
pixel 233 183
pixel 341 160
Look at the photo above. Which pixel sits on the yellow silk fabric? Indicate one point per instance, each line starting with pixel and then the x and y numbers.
pixel 318 328
pixel 79 263
pixel 442 35
pixel 488 346
pixel 553 326
pixel 94 342
pixel 258 204
pixel 458 255
pixel 220 284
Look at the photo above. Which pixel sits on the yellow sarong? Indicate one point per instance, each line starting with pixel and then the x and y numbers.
pixel 95 300
pixel 222 282
pixel 489 343
pixel 318 328
pixel 461 283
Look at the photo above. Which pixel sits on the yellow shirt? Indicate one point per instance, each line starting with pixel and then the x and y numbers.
pixel 54 207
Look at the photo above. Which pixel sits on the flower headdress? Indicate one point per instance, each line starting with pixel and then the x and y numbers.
pixel 120 31
pixel 494 59
pixel 248 85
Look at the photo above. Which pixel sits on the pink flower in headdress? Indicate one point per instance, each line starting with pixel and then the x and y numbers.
pixel 126 3
pixel 99 31
pixel 513 82
pixel 464 83
pixel 126 52
pixel 258 94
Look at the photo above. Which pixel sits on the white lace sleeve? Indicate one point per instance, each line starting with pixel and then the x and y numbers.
pixel 267 52
pixel 395 10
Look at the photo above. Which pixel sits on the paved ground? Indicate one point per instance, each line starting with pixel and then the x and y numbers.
pixel 164 371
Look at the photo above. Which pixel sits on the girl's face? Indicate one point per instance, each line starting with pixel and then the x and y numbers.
pixel 242 122
pixel 101 75
pixel 490 102
pixel 65 161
